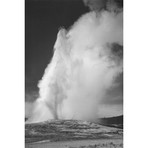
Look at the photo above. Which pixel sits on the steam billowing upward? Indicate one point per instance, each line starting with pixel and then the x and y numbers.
pixel 109 5
pixel 86 62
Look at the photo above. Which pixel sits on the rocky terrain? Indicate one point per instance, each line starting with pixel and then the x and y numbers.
pixel 69 130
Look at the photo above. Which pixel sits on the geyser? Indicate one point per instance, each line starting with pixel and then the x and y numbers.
pixel 87 59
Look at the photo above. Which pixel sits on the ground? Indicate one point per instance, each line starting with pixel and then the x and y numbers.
pixel 72 134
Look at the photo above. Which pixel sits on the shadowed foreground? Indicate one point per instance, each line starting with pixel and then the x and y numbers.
pixel 72 134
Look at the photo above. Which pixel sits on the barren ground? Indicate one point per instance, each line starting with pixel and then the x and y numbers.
pixel 72 134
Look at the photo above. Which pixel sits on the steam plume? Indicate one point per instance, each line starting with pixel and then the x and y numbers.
pixel 109 5
pixel 87 59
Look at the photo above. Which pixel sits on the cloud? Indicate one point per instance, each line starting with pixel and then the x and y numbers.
pixel 110 110
pixel 28 109
pixel 31 96
pixel 98 5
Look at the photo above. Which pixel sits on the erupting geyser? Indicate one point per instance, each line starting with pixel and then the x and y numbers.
pixel 87 59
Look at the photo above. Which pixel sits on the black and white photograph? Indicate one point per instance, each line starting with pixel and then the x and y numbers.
pixel 74 74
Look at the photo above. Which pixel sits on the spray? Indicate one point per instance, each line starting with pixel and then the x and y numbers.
pixel 84 67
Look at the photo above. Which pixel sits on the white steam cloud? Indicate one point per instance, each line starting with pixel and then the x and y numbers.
pixel 84 67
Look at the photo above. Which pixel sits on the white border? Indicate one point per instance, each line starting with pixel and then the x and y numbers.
pixel 135 74
pixel 12 73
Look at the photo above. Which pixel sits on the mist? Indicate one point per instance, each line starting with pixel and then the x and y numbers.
pixel 86 62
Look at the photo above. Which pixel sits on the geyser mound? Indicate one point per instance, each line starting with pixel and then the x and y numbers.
pixel 87 59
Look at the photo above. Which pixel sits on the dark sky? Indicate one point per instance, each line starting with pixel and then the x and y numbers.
pixel 43 18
